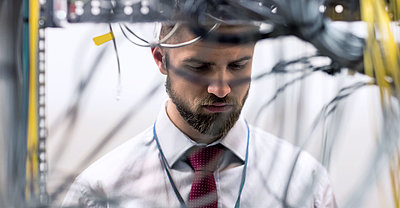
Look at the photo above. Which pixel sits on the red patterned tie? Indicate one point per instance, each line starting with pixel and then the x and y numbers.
pixel 203 193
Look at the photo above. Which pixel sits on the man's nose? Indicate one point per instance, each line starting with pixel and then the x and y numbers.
pixel 219 88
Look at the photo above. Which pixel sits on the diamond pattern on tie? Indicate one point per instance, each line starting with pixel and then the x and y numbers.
pixel 203 193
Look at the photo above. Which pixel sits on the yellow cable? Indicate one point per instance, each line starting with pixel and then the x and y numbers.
pixel 395 9
pixel 382 61
pixel 389 46
pixel 366 9
pixel 378 66
pixel 394 170
pixel 32 133
pixel 394 176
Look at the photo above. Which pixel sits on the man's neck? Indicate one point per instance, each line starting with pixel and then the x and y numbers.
pixel 184 127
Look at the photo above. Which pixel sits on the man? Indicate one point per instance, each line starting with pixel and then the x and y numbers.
pixel 201 152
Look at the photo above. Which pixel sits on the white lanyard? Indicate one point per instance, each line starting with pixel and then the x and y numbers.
pixel 177 194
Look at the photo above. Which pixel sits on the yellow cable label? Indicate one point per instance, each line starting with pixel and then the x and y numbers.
pixel 103 38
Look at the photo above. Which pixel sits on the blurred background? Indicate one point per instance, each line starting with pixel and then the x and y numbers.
pixel 93 100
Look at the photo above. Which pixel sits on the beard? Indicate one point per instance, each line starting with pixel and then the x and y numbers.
pixel 215 125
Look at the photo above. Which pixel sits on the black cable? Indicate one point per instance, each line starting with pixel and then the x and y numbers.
pixel 352 88
pixel 196 12
pixel 116 55
pixel 310 71
pixel 299 17
pixel 134 34
pixel 255 11
pixel 71 115
pixel 279 91
pixel 108 136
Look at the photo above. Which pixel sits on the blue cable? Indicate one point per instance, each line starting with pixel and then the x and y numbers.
pixel 177 194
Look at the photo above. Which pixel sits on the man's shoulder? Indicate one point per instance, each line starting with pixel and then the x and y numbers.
pixel 290 162
pixel 120 158
pixel 274 148
pixel 113 172
pixel 267 141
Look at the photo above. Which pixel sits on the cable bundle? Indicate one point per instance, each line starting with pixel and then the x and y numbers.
pixel 382 61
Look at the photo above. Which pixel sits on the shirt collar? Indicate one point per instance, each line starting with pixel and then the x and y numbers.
pixel 174 143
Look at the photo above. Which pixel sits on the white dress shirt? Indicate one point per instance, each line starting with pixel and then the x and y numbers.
pixel 132 175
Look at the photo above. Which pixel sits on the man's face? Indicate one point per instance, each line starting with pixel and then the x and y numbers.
pixel 203 83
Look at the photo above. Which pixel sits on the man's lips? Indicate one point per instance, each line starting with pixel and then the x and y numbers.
pixel 218 107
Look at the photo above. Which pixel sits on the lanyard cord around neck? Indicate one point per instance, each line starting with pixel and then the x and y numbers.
pixel 177 194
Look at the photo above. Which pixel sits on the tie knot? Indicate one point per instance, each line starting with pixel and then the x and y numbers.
pixel 205 158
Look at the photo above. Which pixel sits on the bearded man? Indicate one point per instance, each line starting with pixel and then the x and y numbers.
pixel 201 152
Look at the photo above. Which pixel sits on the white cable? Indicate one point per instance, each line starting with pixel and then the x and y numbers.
pixel 168 36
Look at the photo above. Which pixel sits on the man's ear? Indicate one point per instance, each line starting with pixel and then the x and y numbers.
pixel 159 58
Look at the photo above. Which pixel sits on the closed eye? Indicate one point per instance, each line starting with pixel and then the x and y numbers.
pixel 198 68
pixel 238 65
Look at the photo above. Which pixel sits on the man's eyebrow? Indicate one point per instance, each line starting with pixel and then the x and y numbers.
pixel 242 59
pixel 198 61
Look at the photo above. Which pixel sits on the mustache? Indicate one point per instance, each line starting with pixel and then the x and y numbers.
pixel 212 99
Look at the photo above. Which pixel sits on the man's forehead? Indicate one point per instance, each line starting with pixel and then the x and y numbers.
pixel 212 54
pixel 235 29
pixel 206 46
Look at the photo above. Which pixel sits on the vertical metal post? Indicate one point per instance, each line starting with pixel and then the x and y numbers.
pixel 12 131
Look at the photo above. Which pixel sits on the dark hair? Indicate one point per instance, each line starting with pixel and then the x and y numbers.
pixel 165 29
pixel 183 28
